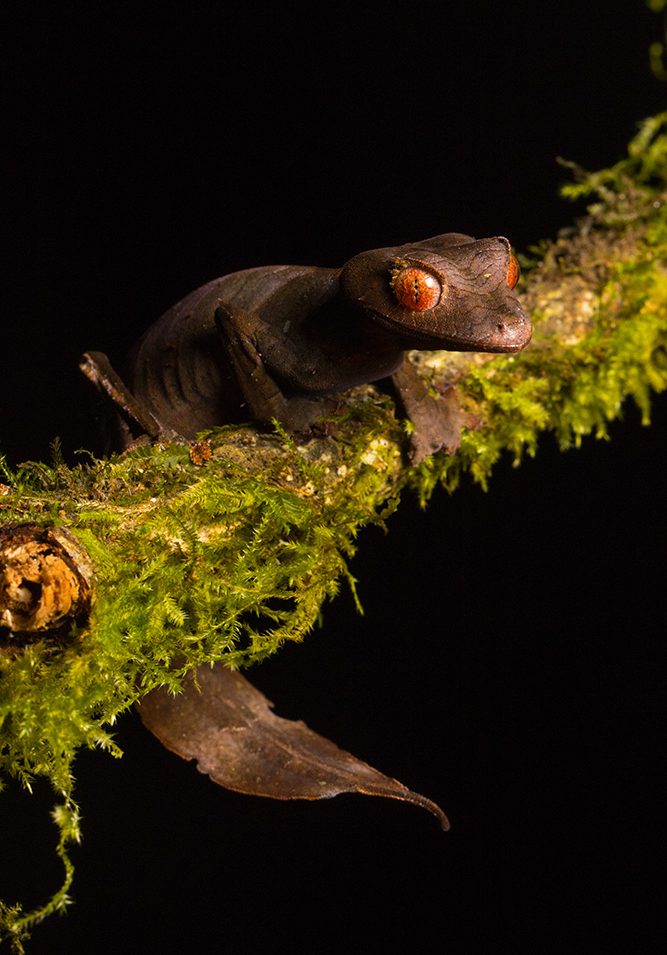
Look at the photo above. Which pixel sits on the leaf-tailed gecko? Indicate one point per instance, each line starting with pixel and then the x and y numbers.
pixel 276 342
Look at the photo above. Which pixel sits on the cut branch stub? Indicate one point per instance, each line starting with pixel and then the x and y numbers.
pixel 227 725
pixel 44 579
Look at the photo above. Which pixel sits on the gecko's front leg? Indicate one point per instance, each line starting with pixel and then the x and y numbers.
pixel 437 421
pixel 244 338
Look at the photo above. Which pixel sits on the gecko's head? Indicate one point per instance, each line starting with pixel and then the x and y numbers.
pixel 451 292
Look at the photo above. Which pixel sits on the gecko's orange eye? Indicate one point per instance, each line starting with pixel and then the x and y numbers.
pixel 513 271
pixel 416 288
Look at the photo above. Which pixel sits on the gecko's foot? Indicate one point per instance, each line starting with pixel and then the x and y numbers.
pixel 439 426
pixel 306 418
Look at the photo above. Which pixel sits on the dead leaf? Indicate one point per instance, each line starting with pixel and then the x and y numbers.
pixel 228 727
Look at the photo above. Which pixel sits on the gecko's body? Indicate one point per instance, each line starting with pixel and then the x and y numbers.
pixel 276 341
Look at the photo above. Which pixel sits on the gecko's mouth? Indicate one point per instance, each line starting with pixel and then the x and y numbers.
pixel 508 334
pixel 499 326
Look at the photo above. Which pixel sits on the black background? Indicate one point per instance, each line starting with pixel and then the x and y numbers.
pixel 508 662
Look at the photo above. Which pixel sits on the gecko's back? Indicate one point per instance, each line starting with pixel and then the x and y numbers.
pixel 179 368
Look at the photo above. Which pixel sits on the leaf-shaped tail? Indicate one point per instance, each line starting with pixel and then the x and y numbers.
pixel 227 725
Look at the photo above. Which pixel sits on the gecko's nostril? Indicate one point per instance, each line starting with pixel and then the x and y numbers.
pixel 509 334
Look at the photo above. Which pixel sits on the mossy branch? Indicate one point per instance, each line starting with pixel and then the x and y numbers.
pixel 224 549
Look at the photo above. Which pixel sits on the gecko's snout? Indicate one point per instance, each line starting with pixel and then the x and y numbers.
pixel 511 333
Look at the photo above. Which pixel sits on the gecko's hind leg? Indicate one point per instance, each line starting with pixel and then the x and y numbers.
pixel 98 369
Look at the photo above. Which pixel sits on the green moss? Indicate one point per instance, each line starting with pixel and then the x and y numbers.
pixel 598 300
pixel 229 558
